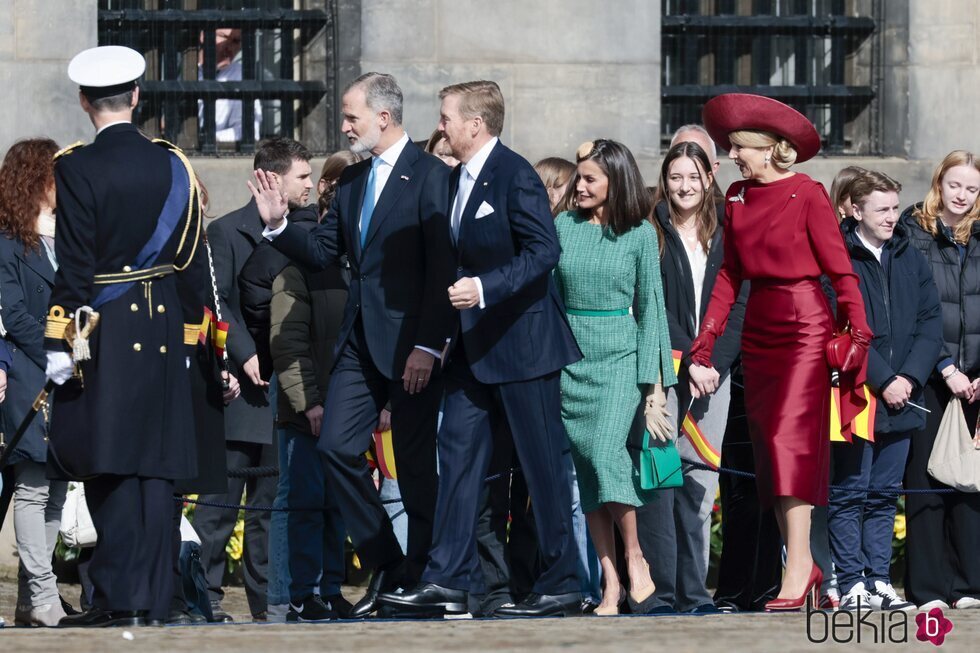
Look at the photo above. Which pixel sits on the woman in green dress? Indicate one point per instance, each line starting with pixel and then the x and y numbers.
pixel 609 279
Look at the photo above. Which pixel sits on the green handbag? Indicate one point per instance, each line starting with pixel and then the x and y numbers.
pixel 660 464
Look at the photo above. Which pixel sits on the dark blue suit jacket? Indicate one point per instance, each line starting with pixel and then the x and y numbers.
pixel 523 332
pixel 399 282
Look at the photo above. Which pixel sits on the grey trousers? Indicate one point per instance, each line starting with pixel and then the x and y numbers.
pixel 674 528
pixel 37 517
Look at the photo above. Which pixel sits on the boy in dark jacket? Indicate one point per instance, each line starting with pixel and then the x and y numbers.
pixel 904 313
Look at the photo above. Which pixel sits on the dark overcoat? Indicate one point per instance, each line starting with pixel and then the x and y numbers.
pixel 26 279
pixel 130 412
pixel 233 238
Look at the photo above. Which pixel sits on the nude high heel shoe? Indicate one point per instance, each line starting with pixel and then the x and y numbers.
pixel 613 611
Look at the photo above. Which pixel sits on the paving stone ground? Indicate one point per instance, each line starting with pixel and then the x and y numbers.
pixel 726 633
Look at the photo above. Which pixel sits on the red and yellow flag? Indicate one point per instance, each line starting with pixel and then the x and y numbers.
pixel 863 425
pixel 381 455
pixel 220 336
pixel 215 330
pixel 707 453
pixel 204 333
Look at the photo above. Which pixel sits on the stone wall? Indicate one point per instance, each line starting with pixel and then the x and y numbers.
pixel 37 39
pixel 943 55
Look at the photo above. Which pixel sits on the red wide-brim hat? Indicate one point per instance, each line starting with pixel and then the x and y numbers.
pixel 735 111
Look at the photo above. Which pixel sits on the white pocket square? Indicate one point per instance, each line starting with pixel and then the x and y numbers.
pixel 484 210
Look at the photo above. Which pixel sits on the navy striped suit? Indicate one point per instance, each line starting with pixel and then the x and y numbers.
pixel 504 364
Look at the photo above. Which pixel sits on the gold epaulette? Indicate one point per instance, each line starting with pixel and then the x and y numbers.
pixel 57 323
pixel 167 144
pixel 191 332
pixel 68 150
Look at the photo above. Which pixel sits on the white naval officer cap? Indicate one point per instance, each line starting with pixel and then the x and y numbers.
pixel 106 70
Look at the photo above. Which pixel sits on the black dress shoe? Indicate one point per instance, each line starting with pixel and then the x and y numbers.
pixel 67 607
pixel 219 616
pixel 544 605
pixel 384 579
pixel 184 618
pixel 427 600
pixel 96 618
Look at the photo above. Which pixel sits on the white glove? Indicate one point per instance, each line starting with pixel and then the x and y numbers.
pixel 60 366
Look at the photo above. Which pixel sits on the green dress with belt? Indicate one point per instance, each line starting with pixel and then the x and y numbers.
pixel 600 277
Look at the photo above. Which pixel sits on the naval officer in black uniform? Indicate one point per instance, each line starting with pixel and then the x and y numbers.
pixel 122 418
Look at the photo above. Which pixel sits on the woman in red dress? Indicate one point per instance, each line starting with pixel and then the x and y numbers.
pixel 781 234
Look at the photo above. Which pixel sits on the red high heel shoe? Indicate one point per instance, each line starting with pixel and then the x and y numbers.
pixel 811 595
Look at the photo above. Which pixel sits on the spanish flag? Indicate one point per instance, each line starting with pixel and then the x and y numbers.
pixel 708 454
pixel 220 337
pixel 215 330
pixel 381 455
pixel 863 425
pixel 205 332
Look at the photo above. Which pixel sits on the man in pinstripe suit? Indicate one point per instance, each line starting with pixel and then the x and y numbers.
pixel 510 343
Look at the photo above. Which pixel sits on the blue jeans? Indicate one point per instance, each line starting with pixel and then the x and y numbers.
pixel 278 591
pixel 315 537
pixel 860 524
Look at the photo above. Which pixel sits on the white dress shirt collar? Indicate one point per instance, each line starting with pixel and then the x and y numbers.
pixel 875 251
pixel 390 156
pixel 475 165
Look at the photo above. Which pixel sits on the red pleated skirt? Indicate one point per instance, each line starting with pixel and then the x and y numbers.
pixel 787 388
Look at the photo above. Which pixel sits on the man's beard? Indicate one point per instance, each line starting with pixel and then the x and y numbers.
pixel 364 144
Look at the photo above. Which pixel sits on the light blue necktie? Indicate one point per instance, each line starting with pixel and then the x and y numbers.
pixel 367 208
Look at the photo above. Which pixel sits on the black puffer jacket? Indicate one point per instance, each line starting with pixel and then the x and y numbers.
pixel 959 292
pixel 904 315
pixel 255 287
pixel 679 294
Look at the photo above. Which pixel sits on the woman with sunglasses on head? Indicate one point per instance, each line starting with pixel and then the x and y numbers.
pixel 781 234
pixel 610 264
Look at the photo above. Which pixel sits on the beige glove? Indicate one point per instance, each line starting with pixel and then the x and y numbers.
pixel 660 424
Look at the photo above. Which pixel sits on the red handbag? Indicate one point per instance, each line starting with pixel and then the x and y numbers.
pixel 838 347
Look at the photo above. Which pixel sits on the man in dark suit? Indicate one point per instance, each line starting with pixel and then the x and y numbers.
pixel 248 421
pixel 511 341
pixel 389 217
pixel 128 230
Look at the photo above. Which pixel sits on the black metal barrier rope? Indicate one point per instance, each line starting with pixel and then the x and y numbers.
pixel 254 472
pixel 842 488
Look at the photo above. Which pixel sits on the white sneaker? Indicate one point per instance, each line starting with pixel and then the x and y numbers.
pixel 857 598
pixel 937 603
pixel 884 597
pixel 966 603
pixel 48 615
